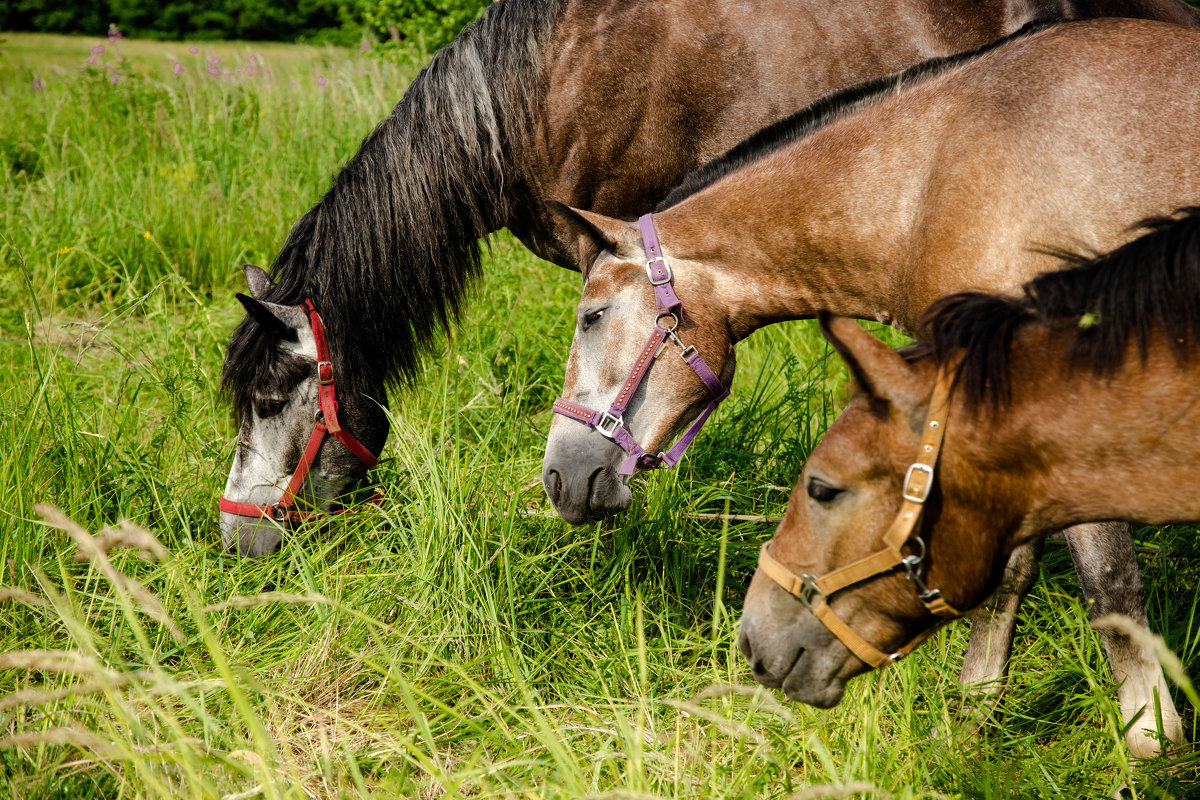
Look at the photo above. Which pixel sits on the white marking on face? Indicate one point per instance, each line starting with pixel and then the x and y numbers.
pixel 269 447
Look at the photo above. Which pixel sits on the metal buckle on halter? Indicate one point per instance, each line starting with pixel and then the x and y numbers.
pixel 912 565
pixel 607 424
pixel 688 352
pixel 325 372
pixel 650 270
pixel 277 513
pixel 923 493
pixel 808 587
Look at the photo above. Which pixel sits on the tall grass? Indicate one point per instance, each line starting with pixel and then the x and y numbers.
pixel 457 640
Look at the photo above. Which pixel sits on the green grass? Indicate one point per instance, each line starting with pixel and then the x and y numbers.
pixel 457 640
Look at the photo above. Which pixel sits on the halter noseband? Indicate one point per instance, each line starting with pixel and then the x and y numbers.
pixel 813 592
pixel 610 423
pixel 325 424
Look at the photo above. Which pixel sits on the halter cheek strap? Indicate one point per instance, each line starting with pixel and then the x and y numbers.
pixel 611 423
pixel 326 424
pixel 814 592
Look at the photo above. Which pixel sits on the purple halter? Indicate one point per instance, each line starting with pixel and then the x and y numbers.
pixel 610 423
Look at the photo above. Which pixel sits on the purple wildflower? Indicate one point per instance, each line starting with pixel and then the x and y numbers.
pixel 365 47
pixel 37 84
pixel 321 81
pixel 177 69
pixel 114 33
pixel 213 66
pixel 193 50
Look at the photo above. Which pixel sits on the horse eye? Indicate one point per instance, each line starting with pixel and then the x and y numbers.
pixel 270 407
pixel 592 317
pixel 821 491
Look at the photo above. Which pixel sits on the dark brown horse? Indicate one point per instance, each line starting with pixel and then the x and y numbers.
pixel 873 204
pixel 1075 402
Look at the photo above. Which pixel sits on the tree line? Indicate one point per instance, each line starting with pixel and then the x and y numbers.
pixel 425 25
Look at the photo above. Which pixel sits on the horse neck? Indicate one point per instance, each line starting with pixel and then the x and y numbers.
pixel 818 224
pixel 1075 447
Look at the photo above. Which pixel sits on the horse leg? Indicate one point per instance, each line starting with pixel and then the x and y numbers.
pixel 985 665
pixel 1112 583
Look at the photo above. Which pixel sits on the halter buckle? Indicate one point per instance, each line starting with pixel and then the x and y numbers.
pixel 921 492
pixel 607 425
pixel 687 352
pixel 808 587
pixel 325 372
pixel 277 512
pixel 663 270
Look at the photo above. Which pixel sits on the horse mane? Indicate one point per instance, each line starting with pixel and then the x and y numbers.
pixel 1147 287
pixel 388 252
pixel 827 109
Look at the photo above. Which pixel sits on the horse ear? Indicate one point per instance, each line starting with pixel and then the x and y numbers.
pixel 596 233
pixel 879 372
pixel 256 279
pixel 272 316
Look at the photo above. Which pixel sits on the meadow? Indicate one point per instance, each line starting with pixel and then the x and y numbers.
pixel 458 640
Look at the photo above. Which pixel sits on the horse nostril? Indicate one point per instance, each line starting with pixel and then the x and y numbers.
pixel 743 643
pixel 553 485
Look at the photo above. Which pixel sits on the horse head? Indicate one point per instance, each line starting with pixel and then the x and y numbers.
pixel 295 454
pixel 874 550
pixel 631 354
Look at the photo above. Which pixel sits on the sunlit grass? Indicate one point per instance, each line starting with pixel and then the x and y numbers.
pixel 457 640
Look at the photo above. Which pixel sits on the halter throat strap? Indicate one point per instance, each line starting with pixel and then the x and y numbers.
pixel 326 424
pixel 814 592
pixel 611 423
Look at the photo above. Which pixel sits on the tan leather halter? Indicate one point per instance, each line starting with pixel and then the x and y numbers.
pixel 813 592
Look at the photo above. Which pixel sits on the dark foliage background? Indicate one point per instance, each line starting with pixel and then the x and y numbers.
pixel 423 25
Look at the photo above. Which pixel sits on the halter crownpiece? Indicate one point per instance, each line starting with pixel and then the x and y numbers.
pixel 814 592
pixel 325 424
pixel 611 423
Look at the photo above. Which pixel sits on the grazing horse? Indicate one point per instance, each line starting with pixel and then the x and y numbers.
pixel 510 115
pixel 962 173
pixel 1017 416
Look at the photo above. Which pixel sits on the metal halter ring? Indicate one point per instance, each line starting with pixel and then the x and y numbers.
pixel 674 321
pixel 808 589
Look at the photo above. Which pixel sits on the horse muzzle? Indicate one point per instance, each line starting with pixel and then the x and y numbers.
pixel 581 476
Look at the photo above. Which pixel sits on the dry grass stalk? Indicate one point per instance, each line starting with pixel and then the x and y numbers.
pixel 266 598
pixel 727 726
pixel 22 596
pixel 829 792
pixel 89 549
pixel 133 537
pixel 65 736
pixel 71 662
pixel 765 697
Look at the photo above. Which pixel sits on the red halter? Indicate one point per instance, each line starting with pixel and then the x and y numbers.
pixel 326 423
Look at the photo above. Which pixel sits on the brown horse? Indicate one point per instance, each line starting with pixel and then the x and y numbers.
pixel 873 204
pixel 1076 402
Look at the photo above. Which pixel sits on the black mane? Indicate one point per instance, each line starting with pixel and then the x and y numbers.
pixel 388 252
pixel 1148 287
pixel 825 110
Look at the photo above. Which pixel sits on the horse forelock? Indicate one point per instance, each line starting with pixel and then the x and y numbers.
pixel 1147 288
pixel 387 254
